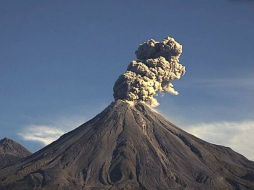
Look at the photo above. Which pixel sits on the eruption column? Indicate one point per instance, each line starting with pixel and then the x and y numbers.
pixel 156 67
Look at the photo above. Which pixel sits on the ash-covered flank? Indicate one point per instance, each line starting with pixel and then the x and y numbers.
pixel 130 147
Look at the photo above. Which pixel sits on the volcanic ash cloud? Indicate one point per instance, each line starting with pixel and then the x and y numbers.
pixel 156 67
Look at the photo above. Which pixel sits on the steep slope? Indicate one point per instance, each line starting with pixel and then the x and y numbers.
pixel 11 151
pixel 130 147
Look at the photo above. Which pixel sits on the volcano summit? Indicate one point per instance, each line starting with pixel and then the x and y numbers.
pixel 128 146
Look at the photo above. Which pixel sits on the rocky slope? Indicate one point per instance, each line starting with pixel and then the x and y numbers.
pixel 130 147
pixel 11 152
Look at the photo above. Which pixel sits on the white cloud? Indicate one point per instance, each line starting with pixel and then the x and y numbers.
pixel 237 135
pixel 50 129
pixel 42 134
pixel 47 133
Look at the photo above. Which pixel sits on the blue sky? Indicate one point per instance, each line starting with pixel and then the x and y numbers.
pixel 59 61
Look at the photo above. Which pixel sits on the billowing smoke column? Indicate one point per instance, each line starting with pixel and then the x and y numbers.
pixel 157 65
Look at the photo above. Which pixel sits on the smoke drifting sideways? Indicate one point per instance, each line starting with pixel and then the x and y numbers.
pixel 156 67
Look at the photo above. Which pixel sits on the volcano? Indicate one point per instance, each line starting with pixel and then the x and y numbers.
pixel 130 147
pixel 11 151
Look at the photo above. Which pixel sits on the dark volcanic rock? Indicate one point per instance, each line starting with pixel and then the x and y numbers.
pixel 11 152
pixel 130 147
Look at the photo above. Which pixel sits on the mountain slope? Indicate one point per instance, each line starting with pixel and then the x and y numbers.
pixel 130 147
pixel 11 151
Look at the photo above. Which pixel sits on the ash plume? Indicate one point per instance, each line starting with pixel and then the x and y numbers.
pixel 156 67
